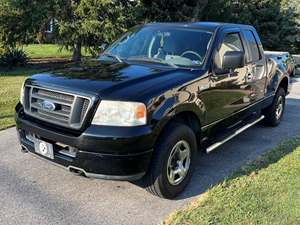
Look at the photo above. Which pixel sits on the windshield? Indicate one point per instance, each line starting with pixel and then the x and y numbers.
pixel 178 46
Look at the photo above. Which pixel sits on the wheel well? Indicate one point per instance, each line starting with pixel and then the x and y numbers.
pixel 191 120
pixel 284 84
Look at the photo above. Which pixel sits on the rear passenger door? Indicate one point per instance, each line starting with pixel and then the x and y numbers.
pixel 256 65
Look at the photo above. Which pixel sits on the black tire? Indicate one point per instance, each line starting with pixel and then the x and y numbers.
pixel 271 115
pixel 156 180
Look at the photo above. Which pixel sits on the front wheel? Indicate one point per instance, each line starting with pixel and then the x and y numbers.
pixel 273 114
pixel 173 162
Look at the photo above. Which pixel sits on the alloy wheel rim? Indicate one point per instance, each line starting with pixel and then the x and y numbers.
pixel 178 162
pixel 279 107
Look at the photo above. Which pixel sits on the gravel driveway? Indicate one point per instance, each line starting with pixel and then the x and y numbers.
pixel 35 192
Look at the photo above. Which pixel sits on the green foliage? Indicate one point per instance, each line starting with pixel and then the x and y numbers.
pixel 89 23
pixel 2 51
pixel 93 22
pixel 13 57
pixel 79 23
pixel 293 6
pixel 22 20
pixel 159 11
pixel 275 21
pixel 184 10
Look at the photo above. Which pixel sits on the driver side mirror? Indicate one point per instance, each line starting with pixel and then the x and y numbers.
pixel 233 60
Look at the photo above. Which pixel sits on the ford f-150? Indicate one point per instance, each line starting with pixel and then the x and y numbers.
pixel 155 97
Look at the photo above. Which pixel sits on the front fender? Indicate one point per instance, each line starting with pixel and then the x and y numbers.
pixel 167 110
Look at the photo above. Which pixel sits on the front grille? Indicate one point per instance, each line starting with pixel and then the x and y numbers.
pixel 57 107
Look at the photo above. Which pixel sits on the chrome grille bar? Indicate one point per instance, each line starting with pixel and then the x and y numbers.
pixel 68 109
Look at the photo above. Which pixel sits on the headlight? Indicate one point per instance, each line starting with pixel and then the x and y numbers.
pixel 117 113
pixel 22 94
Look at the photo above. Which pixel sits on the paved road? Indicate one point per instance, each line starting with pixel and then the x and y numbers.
pixel 35 192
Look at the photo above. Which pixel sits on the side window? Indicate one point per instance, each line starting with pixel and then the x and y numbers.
pixel 231 42
pixel 254 50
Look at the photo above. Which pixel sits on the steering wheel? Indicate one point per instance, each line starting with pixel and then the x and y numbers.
pixel 193 53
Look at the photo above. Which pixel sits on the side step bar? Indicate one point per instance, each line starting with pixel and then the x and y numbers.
pixel 237 132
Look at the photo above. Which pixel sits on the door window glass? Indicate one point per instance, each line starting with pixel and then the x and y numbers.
pixel 254 50
pixel 231 42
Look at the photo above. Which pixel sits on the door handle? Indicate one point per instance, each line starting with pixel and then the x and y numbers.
pixel 249 77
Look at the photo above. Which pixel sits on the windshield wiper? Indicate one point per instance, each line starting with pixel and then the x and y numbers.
pixel 113 56
pixel 155 60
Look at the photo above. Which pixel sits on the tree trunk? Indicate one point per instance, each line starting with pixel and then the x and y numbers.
pixel 76 57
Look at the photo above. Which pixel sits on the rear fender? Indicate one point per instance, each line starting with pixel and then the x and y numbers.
pixel 275 77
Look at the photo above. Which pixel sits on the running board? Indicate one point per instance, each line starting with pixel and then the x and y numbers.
pixel 237 132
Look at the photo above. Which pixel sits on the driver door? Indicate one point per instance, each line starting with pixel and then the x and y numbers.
pixel 228 93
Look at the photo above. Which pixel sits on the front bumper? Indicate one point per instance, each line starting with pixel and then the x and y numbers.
pixel 108 153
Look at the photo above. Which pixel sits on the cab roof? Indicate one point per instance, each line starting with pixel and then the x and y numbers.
pixel 211 26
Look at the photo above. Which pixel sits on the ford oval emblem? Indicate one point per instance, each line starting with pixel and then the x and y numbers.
pixel 47 105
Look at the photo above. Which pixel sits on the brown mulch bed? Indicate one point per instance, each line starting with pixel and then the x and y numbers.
pixel 43 63
pixel 48 62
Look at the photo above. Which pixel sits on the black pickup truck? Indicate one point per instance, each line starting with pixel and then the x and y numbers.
pixel 153 99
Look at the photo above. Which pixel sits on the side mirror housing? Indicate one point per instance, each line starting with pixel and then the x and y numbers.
pixel 233 60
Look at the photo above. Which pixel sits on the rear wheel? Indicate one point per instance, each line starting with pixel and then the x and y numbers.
pixel 173 162
pixel 273 114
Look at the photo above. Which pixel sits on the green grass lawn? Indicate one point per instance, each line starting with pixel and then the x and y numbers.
pixel 10 85
pixel 48 51
pixel 10 82
pixel 266 191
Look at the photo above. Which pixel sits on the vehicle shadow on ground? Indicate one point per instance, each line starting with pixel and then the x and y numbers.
pixel 212 169
pixel 221 164
pixel 247 167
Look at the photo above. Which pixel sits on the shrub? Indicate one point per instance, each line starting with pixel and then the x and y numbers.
pixel 13 57
pixel 2 51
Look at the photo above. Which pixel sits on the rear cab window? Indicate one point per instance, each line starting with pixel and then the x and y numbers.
pixel 254 52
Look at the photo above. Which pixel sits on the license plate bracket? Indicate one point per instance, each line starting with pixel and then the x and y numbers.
pixel 43 148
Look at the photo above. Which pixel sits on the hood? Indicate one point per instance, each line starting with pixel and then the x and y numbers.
pixel 111 80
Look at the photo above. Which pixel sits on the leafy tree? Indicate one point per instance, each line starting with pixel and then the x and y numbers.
pixel 184 10
pixel 277 21
pixel 22 19
pixel 294 7
pixel 79 23
pixel 274 20
pixel 167 11
pixel 90 23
